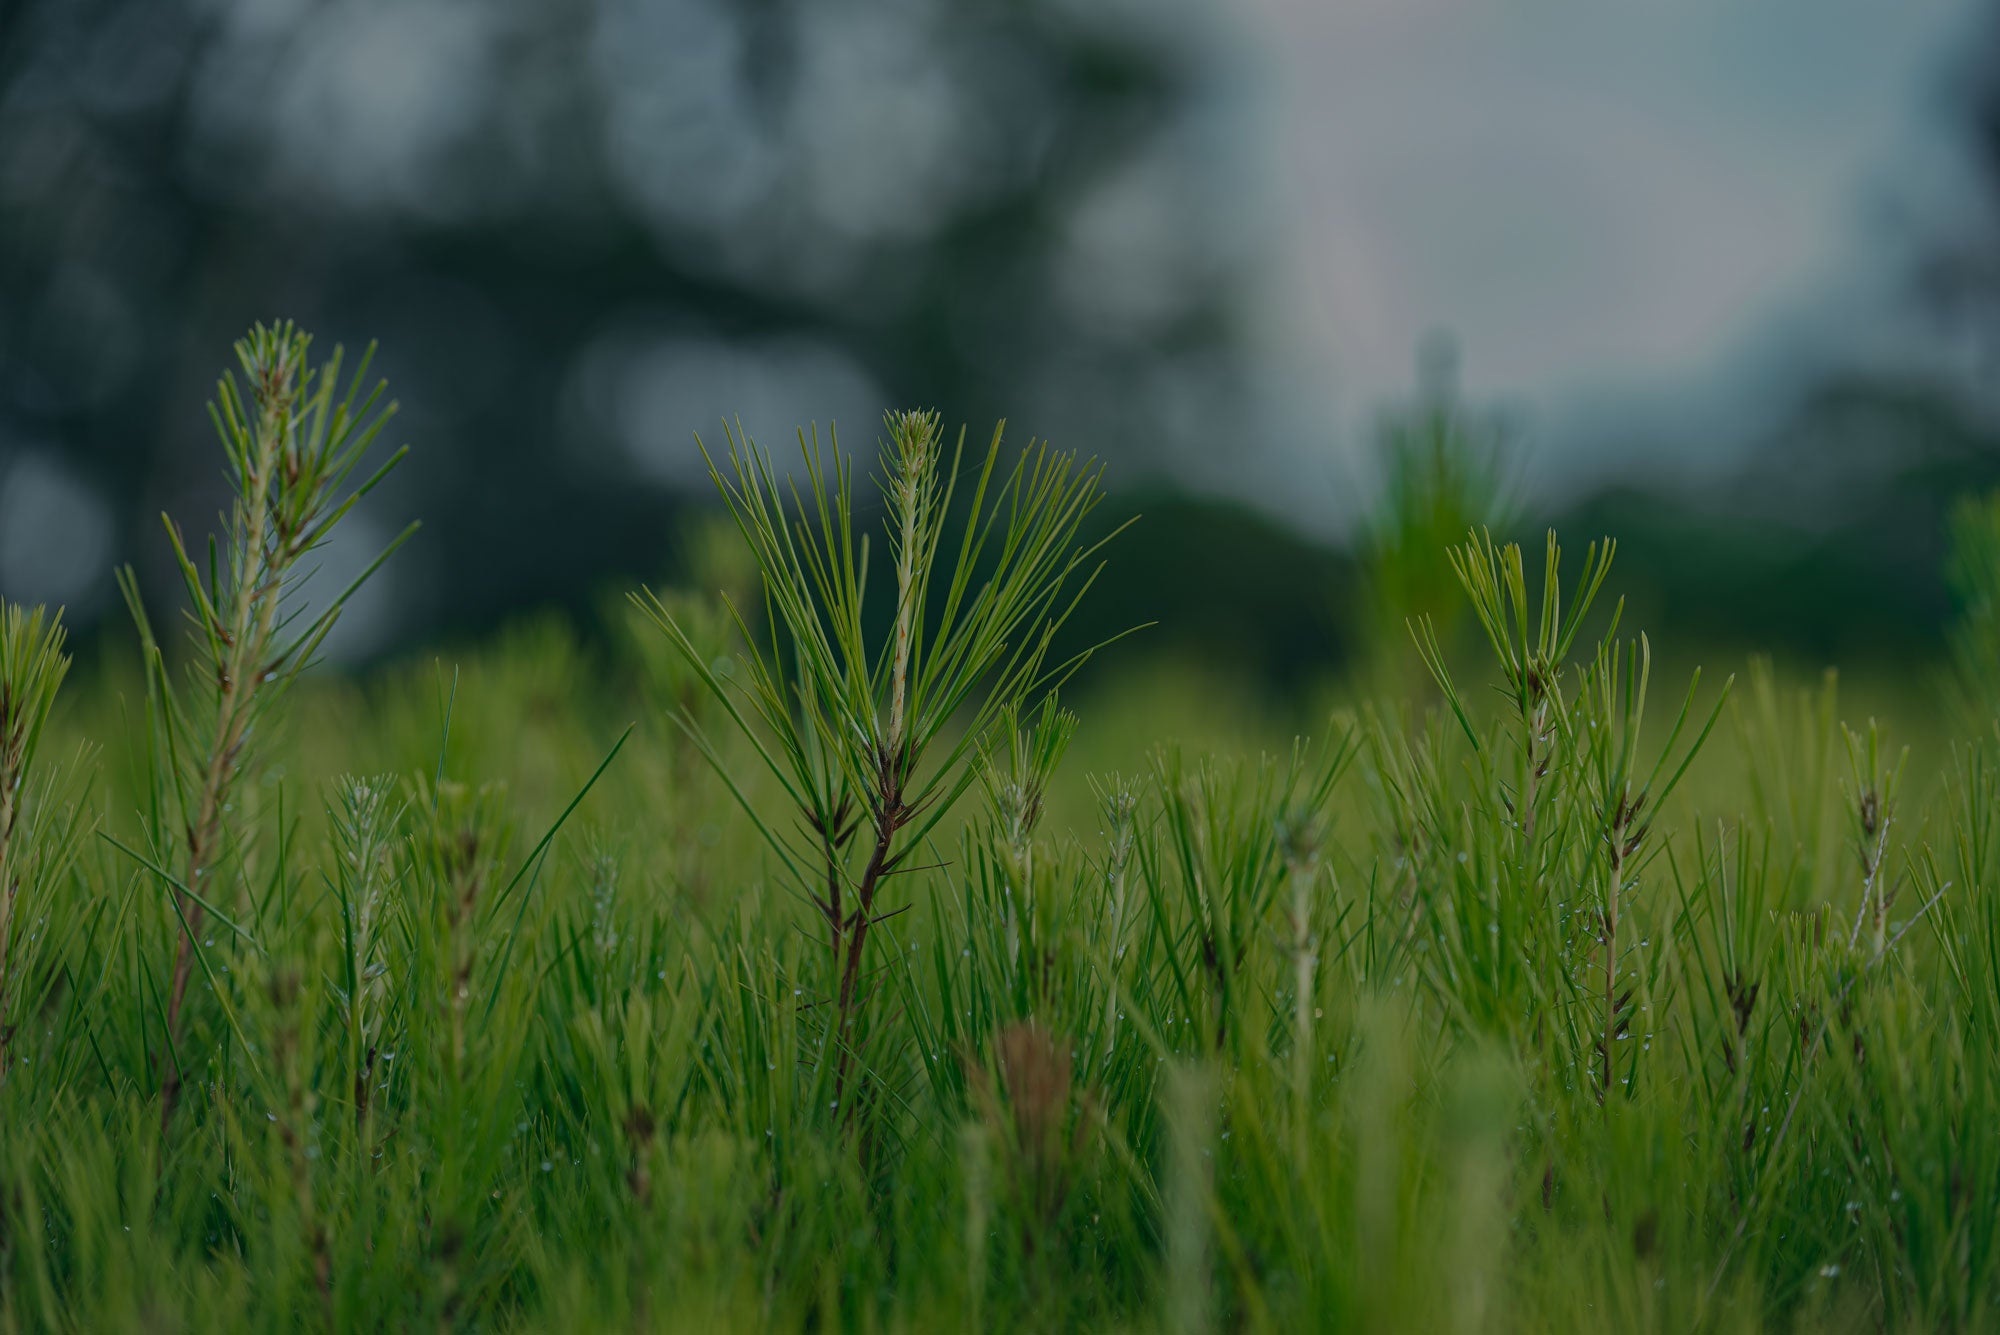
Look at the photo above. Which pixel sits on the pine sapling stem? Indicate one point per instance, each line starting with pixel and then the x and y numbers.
pixel 852 955
pixel 291 450
pixel 913 493
pixel 245 641
pixel 1537 720
pixel 1624 845
pixel 1875 819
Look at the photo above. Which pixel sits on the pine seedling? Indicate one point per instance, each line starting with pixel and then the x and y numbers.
pixel 294 441
pixel 1532 661
pixel 1227 834
pixel 1016 778
pixel 1019 927
pixel 1016 781
pixel 1021 897
pixel 1500 929
pixel 366 817
pixel 32 667
pixel 1304 830
pixel 1629 796
pixel 1872 795
pixel 1118 806
pixel 457 852
pixel 874 739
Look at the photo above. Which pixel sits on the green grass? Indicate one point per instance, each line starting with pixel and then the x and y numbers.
pixel 834 983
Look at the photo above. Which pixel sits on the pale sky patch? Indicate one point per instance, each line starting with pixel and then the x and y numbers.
pixel 1602 202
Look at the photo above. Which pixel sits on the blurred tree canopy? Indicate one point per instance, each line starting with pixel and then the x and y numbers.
pixel 582 231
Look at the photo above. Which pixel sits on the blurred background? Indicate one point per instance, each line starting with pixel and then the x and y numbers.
pixel 1722 280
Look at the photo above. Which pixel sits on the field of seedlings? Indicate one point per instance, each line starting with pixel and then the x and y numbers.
pixel 786 965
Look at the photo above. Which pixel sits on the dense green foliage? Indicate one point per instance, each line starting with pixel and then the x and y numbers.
pixel 772 973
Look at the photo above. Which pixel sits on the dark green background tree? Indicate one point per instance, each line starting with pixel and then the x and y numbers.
pixel 582 231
